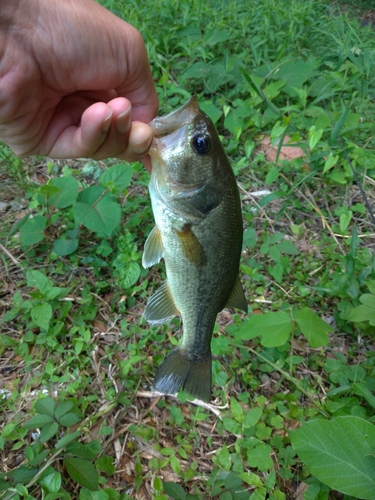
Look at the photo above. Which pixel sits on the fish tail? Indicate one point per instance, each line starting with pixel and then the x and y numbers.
pixel 178 372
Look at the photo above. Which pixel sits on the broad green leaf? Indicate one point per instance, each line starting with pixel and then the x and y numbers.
pixel 330 162
pixel 23 474
pixel 65 440
pixel 61 495
pixel 232 482
pixel 36 279
pixel 251 478
pixel 41 314
pixel 45 192
pixel 273 89
pixel 39 458
pixel 91 195
pixel 274 328
pixel 345 219
pixel 174 490
pixel 252 417
pixel 22 490
pixel 259 494
pixel 62 409
pixel 340 453
pixel 314 136
pixel 216 35
pixel 45 406
pixel 101 217
pixel 32 231
pixel 365 312
pixel 360 389
pixel 232 426
pixel 237 410
pixel 69 419
pixel 117 177
pixel 81 450
pixel 288 247
pixel 56 291
pixel 38 421
pixel 270 480
pixel 133 271
pixel 105 464
pixel 4 485
pixel 272 175
pixel 48 431
pixel 175 464
pixel 314 328
pixel 157 484
pixel 83 472
pixel 65 246
pixel 233 121
pixel 52 482
pixel 197 70
pixel 67 192
pixel 85 494
pixel 211 110
pixel 295 73
pixel 259 457
pixel 339 125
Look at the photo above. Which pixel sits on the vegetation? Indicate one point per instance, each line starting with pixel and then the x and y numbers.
pixel 294 380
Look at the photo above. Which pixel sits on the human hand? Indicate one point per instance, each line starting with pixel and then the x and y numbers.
pixel 75 81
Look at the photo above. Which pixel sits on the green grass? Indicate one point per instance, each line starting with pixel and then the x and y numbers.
pixel 71 311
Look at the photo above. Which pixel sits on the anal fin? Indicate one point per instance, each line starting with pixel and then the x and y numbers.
pixel 161 307
pixel 237 298
pixel 153 250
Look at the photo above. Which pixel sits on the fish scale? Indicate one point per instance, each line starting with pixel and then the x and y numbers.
pixel 198 232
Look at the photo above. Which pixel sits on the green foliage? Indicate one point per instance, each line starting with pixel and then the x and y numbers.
pixel 340 453
pixel 52 420
pixel 93 207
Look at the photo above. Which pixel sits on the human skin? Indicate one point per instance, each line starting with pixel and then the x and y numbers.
pixel 75 81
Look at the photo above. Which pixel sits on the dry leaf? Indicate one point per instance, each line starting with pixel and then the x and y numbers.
pixel 286 152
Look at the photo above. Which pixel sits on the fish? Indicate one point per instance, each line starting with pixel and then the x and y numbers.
pixel 198 232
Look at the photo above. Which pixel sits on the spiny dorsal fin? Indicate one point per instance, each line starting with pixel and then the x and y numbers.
pixel 237 298
pixel 191 247
pixel 161 307
pixel 153 250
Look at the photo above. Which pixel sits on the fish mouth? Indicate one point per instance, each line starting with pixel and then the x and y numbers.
pixel 165 125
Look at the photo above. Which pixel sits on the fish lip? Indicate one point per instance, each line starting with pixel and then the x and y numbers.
pixel 165 125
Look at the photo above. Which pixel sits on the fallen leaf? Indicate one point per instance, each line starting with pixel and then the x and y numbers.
pixel 286 152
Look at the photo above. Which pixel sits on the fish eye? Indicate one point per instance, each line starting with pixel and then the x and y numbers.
pixel 201 144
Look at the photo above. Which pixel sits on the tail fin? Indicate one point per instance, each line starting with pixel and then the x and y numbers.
pixel 179 372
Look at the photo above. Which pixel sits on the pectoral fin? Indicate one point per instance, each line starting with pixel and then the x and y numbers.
pixel 191 247
pixel 153 250
pixel 237 298
pixel 161 307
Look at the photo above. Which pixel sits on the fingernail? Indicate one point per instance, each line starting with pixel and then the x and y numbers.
pixel 107 123
pixel 142 146
pixel 123 122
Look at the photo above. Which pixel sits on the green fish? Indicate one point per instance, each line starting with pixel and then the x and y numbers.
pixel 198 232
